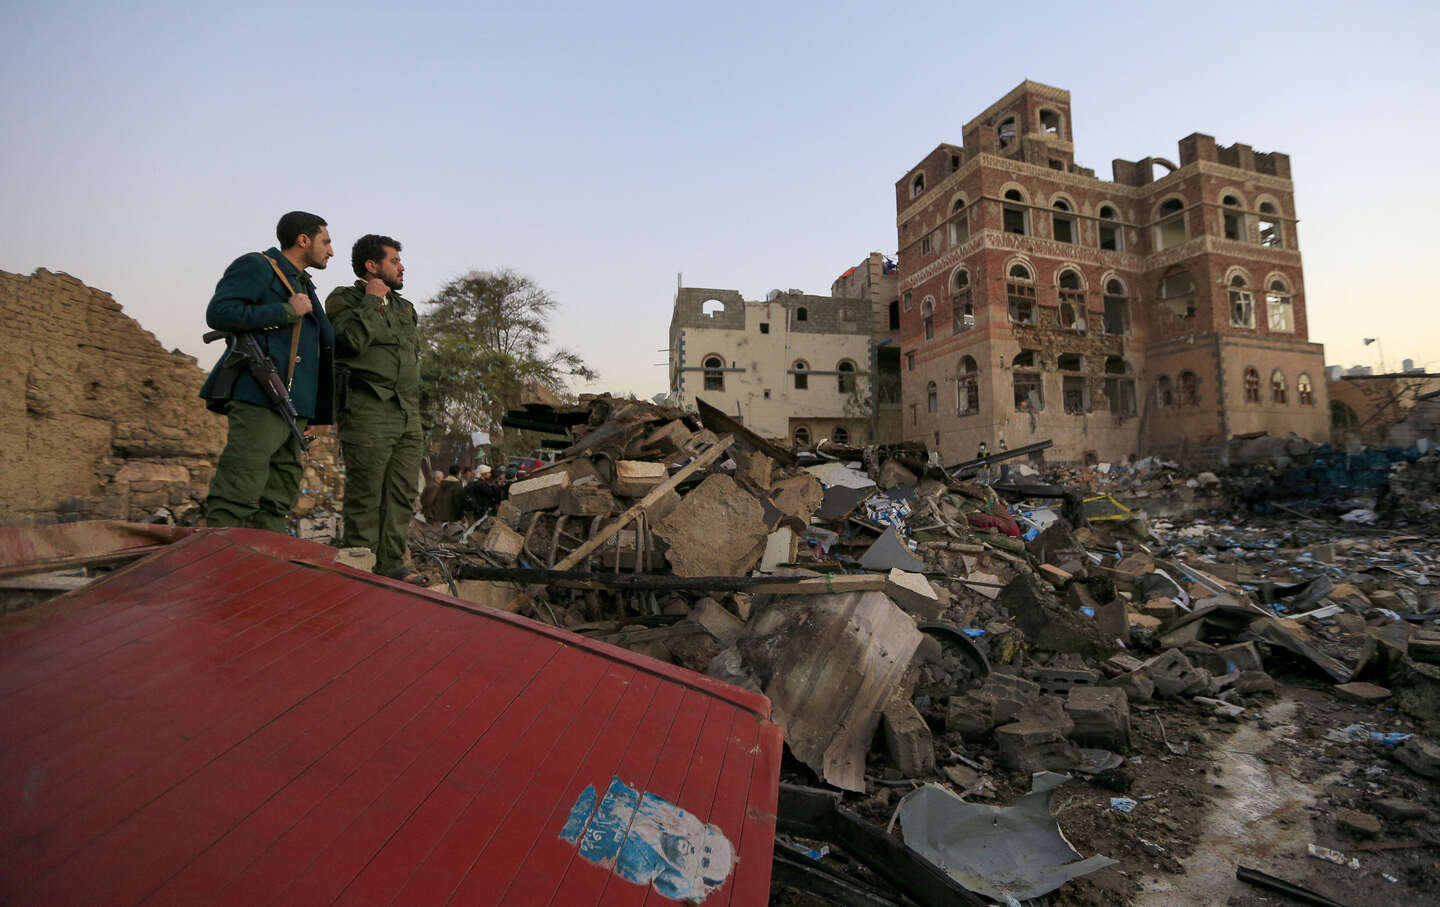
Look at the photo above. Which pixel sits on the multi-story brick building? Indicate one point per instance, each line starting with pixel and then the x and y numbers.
pixel 876 279
pixel 791 366
pixel 1137 315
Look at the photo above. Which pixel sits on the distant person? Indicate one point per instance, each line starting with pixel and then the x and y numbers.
pixel 984 471
pixel 257 480
pixel 377 334
pixel 450 500
pixel 427 497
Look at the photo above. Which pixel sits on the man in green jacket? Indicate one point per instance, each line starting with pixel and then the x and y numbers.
pixel 257 480
pixel 378 350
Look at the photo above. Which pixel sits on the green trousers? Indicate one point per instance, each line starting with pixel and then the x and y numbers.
pixel 258 477
pixel 382 450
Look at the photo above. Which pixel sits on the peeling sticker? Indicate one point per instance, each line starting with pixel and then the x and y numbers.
pixel 649 841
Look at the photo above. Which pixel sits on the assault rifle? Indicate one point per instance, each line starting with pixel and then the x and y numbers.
pixel 244 350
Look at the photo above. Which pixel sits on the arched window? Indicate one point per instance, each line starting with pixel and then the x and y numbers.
pixel 802 374
pixel 1234 218
pixel 802 436
pixel 1005 133
pixel 917 185
pixel 932 398
pixel 1304 391
pixel 959 222
pixel 1072 301
pixel 801 314
pixel 1110 235
pixel 1119 387
pixel 840 435
pixel 1164 397
pixel 1189 389
pixel 1279 314
pixel 1170 224
pixel 1177 292
pixel 967 387
pixel 1343 417
pixel 1117 308
pixel 1271 233
pixel 962 307
pixel 714 374
pixel 1277 387
pixel 1028 382
pixel 927 317
pixel 1020 294
pixel 712 307
pixel 1064 223
pixel 1252 385
pixel 1242 303
pixel 846 368
pixel 1016 215
pixel 1050 124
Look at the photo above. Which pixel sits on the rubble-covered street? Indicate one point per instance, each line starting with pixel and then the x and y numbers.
pixel 1194 672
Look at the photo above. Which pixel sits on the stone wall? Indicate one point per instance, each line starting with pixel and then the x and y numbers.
pixel 99 421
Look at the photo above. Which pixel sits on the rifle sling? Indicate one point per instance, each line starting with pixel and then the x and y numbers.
pixel 295 333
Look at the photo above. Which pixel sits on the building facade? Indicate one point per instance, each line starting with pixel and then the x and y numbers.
pixel 792 366
pixel 877 279
pixel 1138 315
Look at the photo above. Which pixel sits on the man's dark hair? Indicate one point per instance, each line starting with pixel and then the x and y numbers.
pixel 370 247
pixel 454 467
pixel 296 224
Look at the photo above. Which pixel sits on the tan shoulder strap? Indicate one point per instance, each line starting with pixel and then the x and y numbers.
pixel 295 332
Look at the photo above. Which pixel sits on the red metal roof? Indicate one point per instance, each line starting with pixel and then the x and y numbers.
pixel 236 719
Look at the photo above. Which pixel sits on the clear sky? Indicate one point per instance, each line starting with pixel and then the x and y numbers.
pixel 602 148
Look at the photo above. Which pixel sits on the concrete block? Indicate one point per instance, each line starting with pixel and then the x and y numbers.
pixel 668 438
pixel 1361 692
pixel 797 497
pixel 1123 664
pixel 1008 694
pixel 1420 755
pixel 507 513
pixel 1136 685
pixel 481 592
pixel 721 624
pixel 1113 620
pixel 1162 608
pixel 588 500
pixel 970 716
pixel 1078 597
pixel 501 541
pixel 636 478
pixel 717 530
pixel 913 593
pixel 1055 576
pixel 539 493
pixel 753 471
pixel 908 742
pixel 1136 564
pixel 1101 716
pixel 1036 740
pixel 356 558
pixel 1250 682
pixel 1062 680
pixel 1174 675
pixel 781 547
pixel 1243 655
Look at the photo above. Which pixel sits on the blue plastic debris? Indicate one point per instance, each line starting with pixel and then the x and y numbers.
pixel 1389 739
pixel 1123 804
pixel 973 632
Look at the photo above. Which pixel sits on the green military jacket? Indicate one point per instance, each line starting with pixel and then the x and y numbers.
pixel 377 345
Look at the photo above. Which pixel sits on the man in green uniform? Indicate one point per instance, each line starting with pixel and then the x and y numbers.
pixel 378 349
pixel 258 477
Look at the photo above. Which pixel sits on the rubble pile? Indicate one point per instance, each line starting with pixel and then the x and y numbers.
pixel 915 629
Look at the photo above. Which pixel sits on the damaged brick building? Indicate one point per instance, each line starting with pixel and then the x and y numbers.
pixel 1133 316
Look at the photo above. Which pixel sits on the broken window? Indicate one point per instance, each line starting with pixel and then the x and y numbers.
pixel 927 317
pixel 847 376
pixel 1005 132
pixel 959 223
pixel 802 436
pixel 1056 165
pixel 1119 386
pixel 961 305
pixel 1270 231
pixel 712 307
pixel 1072 301
pixel 917 185
pixel 1117 309
pixel 1170 228
pixel 1177 293
pixel 1242 304
pixel 764 327
pixel 1109 232
pixel 1016 215
pixel 925 246
pixel 1278 311
pixel 1020 294
pixel 1304 391
pixel 1252 386
pixel 714 374
pixel 1075 391
pixel 1070 362
pixel 967 387
pixel 908 301
pixel 1050 123
pixel 1028 382
pixel 910 361
pixel 1234 218
pixel 1189 389
pixel 840 435
pixel 954 162
pixel 894 314
pixel 932 398
pixel 1064 224
pixel 1163 395
pixel 802 375
pixel 1277 387
pixel 801 314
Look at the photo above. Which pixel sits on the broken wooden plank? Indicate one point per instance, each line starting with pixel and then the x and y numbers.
pixel 757 585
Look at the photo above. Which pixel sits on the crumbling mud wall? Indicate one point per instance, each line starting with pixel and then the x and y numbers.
pixel 98 420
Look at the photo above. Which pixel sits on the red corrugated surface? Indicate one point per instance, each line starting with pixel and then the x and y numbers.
pixel 221 722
